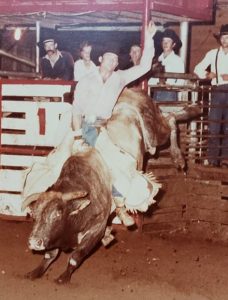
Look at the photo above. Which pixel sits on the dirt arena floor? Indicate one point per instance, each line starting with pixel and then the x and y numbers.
pixel 137 266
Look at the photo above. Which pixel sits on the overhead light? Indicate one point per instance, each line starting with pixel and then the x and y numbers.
pixel 17 33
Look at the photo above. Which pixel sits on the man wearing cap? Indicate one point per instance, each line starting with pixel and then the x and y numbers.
pixel 56 64
pixel 171 62
pixel 217 60
pixel 97 93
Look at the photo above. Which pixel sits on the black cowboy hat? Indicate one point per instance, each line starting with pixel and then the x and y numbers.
pixel 223 31
pixel 169 33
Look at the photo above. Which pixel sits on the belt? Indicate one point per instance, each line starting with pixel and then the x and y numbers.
pixel 89 118
pixel 94 121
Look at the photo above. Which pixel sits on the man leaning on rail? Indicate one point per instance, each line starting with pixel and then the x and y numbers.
pixel 217 59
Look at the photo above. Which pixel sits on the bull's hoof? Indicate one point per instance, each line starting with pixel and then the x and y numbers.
pixel 63 279
pixel 179 163
pixel 35 274
pixel 178 159
pixel 108 237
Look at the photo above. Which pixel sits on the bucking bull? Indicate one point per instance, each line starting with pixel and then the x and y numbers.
pixel 73 213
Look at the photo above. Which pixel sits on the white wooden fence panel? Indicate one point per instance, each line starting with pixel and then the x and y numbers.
pixel 42 90
pixel 11 204
pixel 20 160
pixel 13 123
pixel 12 180
pixel 28 140
pixel 57 116
pixel 58 119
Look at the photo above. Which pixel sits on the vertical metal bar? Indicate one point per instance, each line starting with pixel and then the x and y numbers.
pixel 37 47
pixel 184 28
pixel 1 115
pixel 193 131
pixel 146 18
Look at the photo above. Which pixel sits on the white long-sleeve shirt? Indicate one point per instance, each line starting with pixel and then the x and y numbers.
pixel 93 97
pixel 80 69
pixel 173 64
pixel 210 60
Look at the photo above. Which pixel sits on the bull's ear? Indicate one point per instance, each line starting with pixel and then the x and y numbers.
pixel 29 200
pixel 74 195
pixel 80 205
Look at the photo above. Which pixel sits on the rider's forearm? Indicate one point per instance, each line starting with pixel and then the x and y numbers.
pixel 77 121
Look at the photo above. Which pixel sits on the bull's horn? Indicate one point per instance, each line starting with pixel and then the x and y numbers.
pixel 29 200
pixel 74 195
pixel 81 204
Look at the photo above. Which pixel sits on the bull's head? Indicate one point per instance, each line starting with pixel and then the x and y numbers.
pixel 50 211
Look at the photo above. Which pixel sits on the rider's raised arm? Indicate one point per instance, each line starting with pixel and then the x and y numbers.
pixel 136 72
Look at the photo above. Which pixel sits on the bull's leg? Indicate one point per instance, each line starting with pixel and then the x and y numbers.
pixel 87 244
pixel 74 262
pixel 175 151
pixel 48 258
pixel 108 237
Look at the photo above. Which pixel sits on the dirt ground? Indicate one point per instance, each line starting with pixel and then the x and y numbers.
pixel 137 266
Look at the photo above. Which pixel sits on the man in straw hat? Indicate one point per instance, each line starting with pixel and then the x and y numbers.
pixel 217 60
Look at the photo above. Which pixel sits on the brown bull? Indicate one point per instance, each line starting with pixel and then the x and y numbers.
pixel 137 126
pixel 73 213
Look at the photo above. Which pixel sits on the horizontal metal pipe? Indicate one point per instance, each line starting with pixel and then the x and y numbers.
pixel 19 74
pixel 175 75
pixel 19 59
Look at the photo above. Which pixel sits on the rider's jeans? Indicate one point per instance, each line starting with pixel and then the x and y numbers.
pixel 89 132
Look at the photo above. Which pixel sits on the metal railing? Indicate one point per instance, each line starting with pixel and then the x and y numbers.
pixel 195 135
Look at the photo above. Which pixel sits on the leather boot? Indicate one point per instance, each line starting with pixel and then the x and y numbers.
pixel 122 213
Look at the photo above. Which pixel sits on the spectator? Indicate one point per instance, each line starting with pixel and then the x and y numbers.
pixel 135 57
pixel 217 59
pixel 84 65
pixel 171 62
pixel 56 64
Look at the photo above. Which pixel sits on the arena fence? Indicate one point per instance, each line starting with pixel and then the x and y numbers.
pixel 31 124
pixel 34 118
pixel 193 203
pixel 193 136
